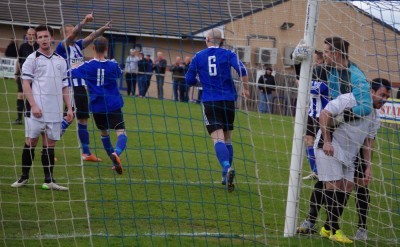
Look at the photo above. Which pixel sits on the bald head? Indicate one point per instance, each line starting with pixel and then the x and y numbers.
pixel 214 37
pixel 31 36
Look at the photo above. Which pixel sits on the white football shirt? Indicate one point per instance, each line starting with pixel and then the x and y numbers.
pixel 348 137
pixel 48 76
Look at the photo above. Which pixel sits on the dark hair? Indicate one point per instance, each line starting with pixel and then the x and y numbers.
pixel 338 44
pixel 380 82
pixel 319 53
pixel 45 28
pixel 100 44
pixel 268 68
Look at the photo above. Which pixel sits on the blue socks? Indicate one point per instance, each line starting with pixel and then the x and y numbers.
pixel 223 155
pixel 230 149
pixel 121 144
pixel 311 158
pixel 106 140
pixel 64 126
pixel 83 135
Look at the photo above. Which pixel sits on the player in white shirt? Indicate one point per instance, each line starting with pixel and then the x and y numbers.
pixel 336 149
pixel 45 87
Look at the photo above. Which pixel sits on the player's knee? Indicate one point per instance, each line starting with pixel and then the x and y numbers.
pixel 83 121
pixel 31 142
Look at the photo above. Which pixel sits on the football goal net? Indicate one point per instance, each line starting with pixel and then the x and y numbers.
pixel 170 191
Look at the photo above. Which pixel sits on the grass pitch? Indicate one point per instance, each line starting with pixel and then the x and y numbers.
pixel 170 191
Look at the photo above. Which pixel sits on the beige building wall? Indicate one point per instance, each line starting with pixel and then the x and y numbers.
pixel 373 47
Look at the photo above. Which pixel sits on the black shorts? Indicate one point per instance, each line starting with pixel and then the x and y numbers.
pixel 19 84
pixel 312 126
pixel 360 166
pixel 109 120
pixel 219 115
pixel 81 102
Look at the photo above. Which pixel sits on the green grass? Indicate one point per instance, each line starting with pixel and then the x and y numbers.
pixel 170 192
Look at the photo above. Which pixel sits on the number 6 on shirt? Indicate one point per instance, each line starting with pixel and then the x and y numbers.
pixel 212 66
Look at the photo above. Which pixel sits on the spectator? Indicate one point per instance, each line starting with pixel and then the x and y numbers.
pixel 178 80
pixel 24 51
pixel 12 49
pixel 149 71
pixel 266 85
pixel 160 66
pixel 131 70
pixel 186 65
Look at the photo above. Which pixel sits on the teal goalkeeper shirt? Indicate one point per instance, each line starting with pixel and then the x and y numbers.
pixel 351 79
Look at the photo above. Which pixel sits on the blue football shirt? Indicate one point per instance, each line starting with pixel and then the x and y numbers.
pixel 213 67
pixel 101 79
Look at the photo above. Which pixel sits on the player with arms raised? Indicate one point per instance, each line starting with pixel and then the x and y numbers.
pixel 213 66
pixel 72 51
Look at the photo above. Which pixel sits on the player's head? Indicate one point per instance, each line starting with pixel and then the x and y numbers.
pixel 44 36
pixel 140 55
pixel 160 55
pixel 132 52
pixel 30 35
pixel 380 91
pixel 214 37
pixel 335 49
pixel 318 57
pixel 100 45
pixel 66 30
pixel 268 71
pixel 148 57
pixel 178 60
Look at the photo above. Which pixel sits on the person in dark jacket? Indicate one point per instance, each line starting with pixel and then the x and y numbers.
pixel 266 85
pixel 145 71
pixel 178 80
pixel 160 67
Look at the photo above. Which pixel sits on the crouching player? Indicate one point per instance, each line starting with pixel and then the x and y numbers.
pixel 105 102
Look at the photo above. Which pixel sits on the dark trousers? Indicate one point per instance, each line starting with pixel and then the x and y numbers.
pixel 183 92
pixel 142 84
pixel 131 80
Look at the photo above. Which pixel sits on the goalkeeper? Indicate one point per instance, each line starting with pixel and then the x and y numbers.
pixel 101 76
pixel 213 66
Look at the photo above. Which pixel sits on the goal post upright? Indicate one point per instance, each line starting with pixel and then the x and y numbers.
pixel 292 203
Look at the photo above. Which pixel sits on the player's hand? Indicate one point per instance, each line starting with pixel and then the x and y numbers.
pixel 70 116
pixel 36 111
pixel 89 17
pixel 367 175
pixel 328 149
pixel 246 93
pixel 301 52
pixel 107 26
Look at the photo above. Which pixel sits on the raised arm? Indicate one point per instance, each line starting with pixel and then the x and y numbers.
pixel 70 39
pixel 89 39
